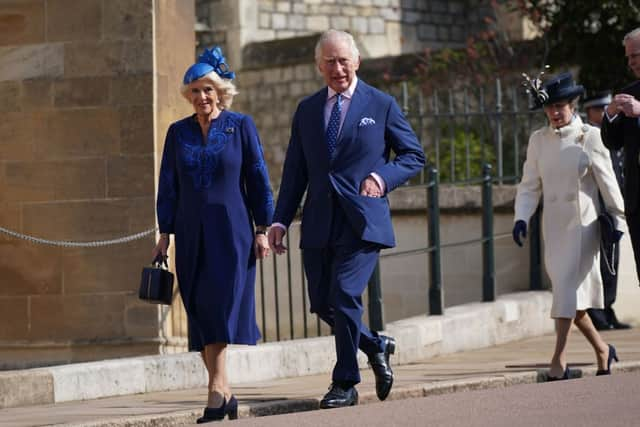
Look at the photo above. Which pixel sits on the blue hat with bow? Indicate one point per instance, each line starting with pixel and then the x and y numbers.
pixel 210 60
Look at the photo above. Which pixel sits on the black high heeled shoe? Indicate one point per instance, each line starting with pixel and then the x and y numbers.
pixel 232 408
pixel 565 376
pixel 612 356
pixel 229 408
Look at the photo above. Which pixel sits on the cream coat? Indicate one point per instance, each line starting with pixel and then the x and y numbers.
pixel 567 167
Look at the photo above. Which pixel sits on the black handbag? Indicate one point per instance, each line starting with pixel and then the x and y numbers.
pixel 156 284
pixel 608 240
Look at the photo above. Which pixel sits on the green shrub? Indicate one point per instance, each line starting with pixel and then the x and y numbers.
pixel 477 154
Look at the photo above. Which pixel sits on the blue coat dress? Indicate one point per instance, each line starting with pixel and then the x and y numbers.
pixel 209 195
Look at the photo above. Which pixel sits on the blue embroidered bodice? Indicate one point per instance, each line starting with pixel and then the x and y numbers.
pixel 227 169
pixel 201 157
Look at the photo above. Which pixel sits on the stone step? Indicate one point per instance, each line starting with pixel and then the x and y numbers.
pixel 469 326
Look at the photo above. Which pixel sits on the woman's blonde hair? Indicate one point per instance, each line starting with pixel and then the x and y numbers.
pixel 225 89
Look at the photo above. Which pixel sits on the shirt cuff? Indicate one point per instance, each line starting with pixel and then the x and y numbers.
pixel 282 226
pixel 379 181
pixel 610 119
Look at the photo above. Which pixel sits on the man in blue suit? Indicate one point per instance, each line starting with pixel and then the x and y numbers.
pixel 341 139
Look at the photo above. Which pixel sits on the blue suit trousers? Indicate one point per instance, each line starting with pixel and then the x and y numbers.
pixel 337 276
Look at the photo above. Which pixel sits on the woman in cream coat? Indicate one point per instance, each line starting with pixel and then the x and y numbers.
pixel 567 164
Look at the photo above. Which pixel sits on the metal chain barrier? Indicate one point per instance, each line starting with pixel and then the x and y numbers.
pixel 70 244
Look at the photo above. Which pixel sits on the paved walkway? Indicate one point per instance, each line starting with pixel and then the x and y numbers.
pixel 499 366
pixel 610 401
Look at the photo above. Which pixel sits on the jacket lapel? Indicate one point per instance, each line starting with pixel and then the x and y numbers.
pixel 316 111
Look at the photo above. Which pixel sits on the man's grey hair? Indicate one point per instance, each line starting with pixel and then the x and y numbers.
pixel 331 35
pixel 631 35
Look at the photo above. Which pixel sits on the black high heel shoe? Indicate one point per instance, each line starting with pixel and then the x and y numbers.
pixel 612 356
pixel 565 376
pixel 232 408
pixel 229 408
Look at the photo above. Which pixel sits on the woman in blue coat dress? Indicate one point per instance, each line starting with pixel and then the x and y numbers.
pixel 214 197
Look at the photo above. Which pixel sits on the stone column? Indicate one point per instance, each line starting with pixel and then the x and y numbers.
pixel 86 92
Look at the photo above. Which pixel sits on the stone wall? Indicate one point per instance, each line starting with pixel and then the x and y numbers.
pixel 382 27
pixel 271 96
pixel 81 119
pixel 385 27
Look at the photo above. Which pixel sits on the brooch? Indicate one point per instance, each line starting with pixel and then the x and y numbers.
pixel 229 130
pixel 580 138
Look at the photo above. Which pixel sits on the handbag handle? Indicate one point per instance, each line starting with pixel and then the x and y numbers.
pixel 610 266
pixel 160 260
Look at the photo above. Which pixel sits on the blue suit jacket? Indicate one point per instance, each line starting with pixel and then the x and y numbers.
pixel 363 147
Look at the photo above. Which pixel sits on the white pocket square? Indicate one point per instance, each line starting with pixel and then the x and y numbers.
pixel 366 121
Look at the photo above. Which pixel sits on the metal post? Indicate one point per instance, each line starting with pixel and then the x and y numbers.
pixel 436 125
pixel 452 138
pixel 516 131
pixel 262 303
pixel 405 98
pixel 535 264
pixel 498 130
pixel 436 300
pixel 467 148
pixel 291 327
pixel 483 136
pixel 376 319
pixel 304 294
pixel 275 296
pixel 488 262
pixel 421 128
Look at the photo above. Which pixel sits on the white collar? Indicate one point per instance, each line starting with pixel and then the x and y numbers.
pixel 347 93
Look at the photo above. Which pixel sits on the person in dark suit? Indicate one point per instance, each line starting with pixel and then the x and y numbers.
pixel 214 196
pixel 605 318
pixel 339 153
pixel 621 129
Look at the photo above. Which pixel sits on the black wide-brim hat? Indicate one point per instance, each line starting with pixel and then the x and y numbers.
pixel 562 88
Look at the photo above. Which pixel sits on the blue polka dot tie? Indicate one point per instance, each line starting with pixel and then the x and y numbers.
pixel 334 125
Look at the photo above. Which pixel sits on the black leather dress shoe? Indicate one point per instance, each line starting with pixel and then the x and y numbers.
pixel 339 397
pixel 620 325
pixel 382 369
pixel 602 326
pixel 613 320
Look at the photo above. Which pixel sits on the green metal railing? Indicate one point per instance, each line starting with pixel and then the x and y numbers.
pixel 468 128
pixel 434 249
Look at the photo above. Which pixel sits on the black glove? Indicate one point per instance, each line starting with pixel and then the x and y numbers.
pixel 519 231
